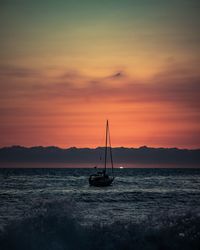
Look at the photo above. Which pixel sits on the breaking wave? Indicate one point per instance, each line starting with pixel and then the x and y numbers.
pixel 56 226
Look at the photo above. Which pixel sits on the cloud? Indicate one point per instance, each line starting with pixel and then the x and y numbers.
pixel 174 85
pixel 117 75
pixel 72 75
pixel 21 72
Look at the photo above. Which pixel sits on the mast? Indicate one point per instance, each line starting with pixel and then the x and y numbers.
pixel 111 158
pixel 106 145
pixel 108 140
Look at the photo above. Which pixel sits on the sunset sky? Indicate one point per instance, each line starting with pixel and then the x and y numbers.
pixel 68 65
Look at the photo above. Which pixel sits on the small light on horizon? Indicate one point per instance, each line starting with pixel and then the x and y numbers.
pixel 121 167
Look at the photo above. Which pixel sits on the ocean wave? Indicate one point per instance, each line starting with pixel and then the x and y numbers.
pixel 56 225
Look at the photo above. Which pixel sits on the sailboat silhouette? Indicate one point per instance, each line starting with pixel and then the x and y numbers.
pixel 102 179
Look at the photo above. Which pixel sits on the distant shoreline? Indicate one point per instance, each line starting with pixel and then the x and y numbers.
pixel 86 157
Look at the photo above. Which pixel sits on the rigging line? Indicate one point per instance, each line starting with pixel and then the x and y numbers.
pixel 106 144
pixel 100 149
pixel 111 158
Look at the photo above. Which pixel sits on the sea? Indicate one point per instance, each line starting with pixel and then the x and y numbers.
pixel 56 209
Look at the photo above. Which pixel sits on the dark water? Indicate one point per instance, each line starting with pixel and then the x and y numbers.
pixel 56 209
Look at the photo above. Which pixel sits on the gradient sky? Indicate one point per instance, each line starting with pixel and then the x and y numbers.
pixel 68 65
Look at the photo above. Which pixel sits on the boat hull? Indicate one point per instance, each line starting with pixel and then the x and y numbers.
pixel 100 181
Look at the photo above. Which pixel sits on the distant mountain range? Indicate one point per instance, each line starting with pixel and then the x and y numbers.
pixel 142 155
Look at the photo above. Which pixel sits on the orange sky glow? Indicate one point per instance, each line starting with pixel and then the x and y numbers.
pixel 65 71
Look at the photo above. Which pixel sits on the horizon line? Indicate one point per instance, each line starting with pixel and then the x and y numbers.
pixel 74 147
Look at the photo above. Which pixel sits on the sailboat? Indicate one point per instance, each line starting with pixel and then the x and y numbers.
pixel 102 179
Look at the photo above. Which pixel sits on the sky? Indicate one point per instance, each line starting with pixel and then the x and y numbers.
pixel 68 65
